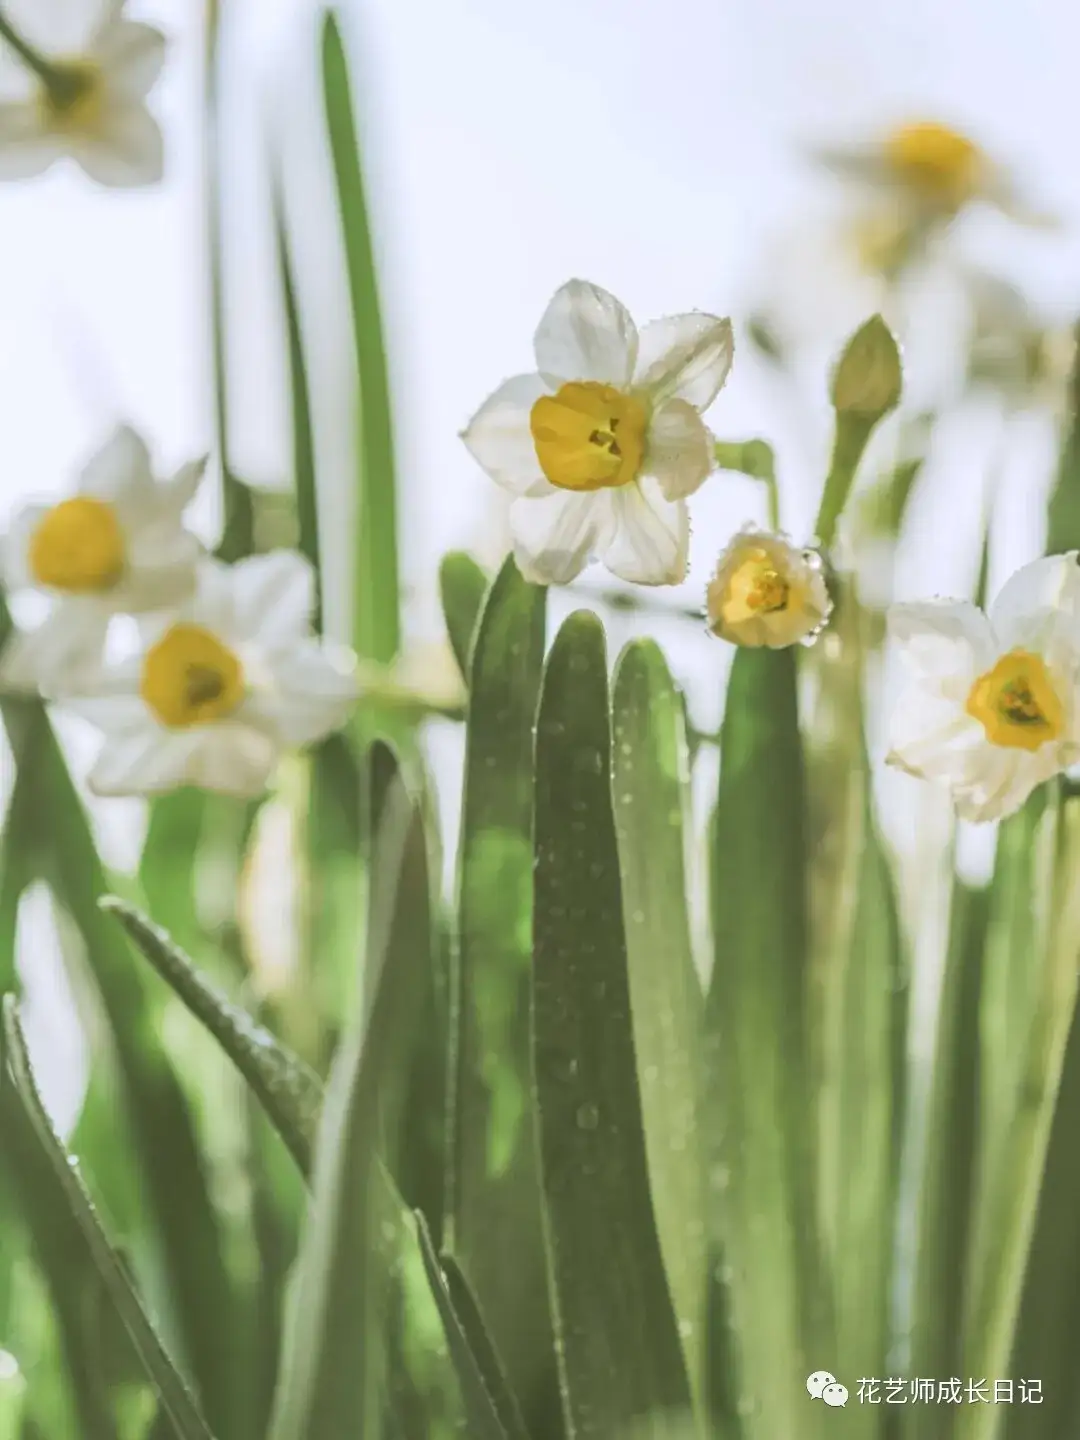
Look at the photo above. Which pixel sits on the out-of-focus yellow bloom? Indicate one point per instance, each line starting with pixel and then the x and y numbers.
pixel 765 592
pixel 942 167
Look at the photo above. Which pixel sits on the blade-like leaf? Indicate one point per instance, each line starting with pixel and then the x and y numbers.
pixel 494 1197
pixel 650 779
pixel 620 1355
pixel 487 1420
pixel 759 1115
pixel 331 1382
pixel 288 1091
pixel 462 585
pixel 187 1422
pixel 376 622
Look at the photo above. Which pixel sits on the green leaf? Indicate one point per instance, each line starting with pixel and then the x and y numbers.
pixel 463 586
pixel 56 832
pixel 650 780
pixel 493 1189
pixel 1063 517
pixel 331 1382
pixel 488 1406
pixel 66 1183
pixel 168 864
pixel 288 1091
pixel 948 1179
pixel 620 1356
pixel 302 437
pixel 759 1119
pixel 376 618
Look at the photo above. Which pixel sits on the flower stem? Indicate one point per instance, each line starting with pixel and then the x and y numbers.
pixel 31 57
pixel 852 434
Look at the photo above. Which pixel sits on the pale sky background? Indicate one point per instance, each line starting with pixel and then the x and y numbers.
pixel 655 148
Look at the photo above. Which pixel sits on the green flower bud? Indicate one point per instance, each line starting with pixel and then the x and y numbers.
pixel 867 381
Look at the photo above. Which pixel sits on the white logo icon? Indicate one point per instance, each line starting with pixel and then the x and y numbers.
pixel 834 1394
pixel 816 1384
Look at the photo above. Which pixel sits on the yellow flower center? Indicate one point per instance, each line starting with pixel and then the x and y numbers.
pixel 940 163
pixel 74 99
pixel 589 436
pixel 78 546
pixel 755 587
pixel 1016 702
pixel 190 678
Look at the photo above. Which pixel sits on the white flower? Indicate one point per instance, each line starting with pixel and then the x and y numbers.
pixel 603 444
pixel 991 709
pixel 94 109
pixel 222 687
pixel 765 592
pixel 117 547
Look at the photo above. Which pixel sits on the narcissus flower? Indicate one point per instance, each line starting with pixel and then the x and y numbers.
pixel 765 592
pixel 991 709
pixel 220 688
pixel 119 546
pixel 92 106
pixel 601 446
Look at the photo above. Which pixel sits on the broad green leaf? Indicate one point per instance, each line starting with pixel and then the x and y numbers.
pixel 463 586
pixel 332 1370
pixel 620 1355
pixel 302 437
pixel 376 600
pixel 169 861
pixel 650 778
pixel 1063 517
pixel 467 1309
pixel 493 1189
pixel 1015 1164
pixel 487 1421
pixel 55 831
pixel 334 830
pixel 948 1175
pixel 288 1091
pixel 67 1185
pixel 759 1120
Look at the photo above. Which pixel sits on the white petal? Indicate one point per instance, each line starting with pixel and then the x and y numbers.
pixel 15 572
pixel 26 147
pixel 273 599
pixel 554 537
pixel 150 760
pixel 312 693
pixel 679 452
pixel 1003 791
pixel 184 485
pixel 936 739
pixel 586 334
pixel 685 357
pixel 651 536
pixel 133 55
pixel 233 759
pixel 59 27
pixel 499 438
pixel 1028 605
pixel 121 469
pixel 944 643
pixel 126 151
pixel 161 569
pixel 64 652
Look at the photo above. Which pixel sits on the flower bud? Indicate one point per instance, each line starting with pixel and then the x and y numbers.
pixel 867 381
pixel 765 592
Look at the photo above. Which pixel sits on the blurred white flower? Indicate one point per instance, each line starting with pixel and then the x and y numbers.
pixel 765 592
pixel 92 106
pixel 1023 354
pixel 991 707
pixel 426 674
pixel 603 444
pixel 222 687
pixel 117 547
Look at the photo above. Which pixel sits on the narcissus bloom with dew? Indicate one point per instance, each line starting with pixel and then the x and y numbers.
pixel 601 446
pixel 765 592
pixel 992 707
pixel 119 546
pixel 87 101
pixel 221 687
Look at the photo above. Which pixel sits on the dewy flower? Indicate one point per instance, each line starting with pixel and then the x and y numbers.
pixel 91 106
pixel 991 709
pixel 603 444
pixel 119 546
pixel 222 687
pixel 765 592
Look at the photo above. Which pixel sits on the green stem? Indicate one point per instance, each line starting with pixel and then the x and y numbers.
pixel 852 434
pixel 31 58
